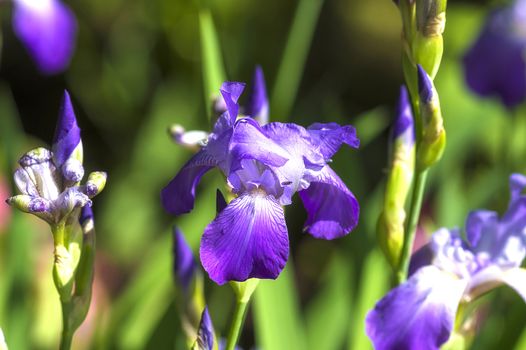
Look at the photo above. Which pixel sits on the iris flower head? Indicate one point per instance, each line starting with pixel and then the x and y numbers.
pixel 265 165
pixel 420 313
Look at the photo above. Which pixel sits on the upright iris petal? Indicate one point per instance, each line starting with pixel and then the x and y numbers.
pixel 47 28
pixel 205 334
pixel 258 106
pixel 264 167
pixel 495 64
pixel 449 270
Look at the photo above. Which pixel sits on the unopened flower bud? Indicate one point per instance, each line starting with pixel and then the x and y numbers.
pixel 95 184
pixel 390 226
pixel 193 139
pixel 205 335
pixel 433 141
pixel 37 175
pixel 72 170
pixel 66 141
pixel 427 44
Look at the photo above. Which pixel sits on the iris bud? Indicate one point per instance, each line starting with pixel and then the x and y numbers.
pixel 95 184
pixel 433 141
pixel 390 226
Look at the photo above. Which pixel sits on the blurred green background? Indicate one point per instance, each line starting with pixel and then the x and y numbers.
pixel 139 67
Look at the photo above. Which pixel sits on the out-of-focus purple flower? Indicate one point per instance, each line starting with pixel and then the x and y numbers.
pixel 420 313
pixel 495 64
pixel 47 28
pixel 49 182
pixel 264 166
pixel 184 265
pixel 205 334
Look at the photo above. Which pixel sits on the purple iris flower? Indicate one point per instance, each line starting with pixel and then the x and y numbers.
pixel 495 64
pixel 47 28
pixel 50 181
pixel 264 166
pixel 419 314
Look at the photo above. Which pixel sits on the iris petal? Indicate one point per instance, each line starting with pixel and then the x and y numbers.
pixel 330 136
pixel 332 210
pixel 248 239
pixel 179 195
pixel 417 315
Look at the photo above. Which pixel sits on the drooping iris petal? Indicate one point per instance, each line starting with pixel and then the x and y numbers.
pixel 248 239
pixel 258 105
pixel 47 28
pixel 67 132
pixel 183 263
pixel 330 136
pixel 495 64
pixel 179 195
pixel 417 315
pixel 332 210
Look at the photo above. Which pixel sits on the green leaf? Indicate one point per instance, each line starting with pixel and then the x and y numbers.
pixel 372 287
pixel 277 316
pixel 294 58
pixel 328 314
pixel 212 62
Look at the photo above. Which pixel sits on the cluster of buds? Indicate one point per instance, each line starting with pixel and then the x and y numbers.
pixel 51 189
pixel 50 181
pixel 390 226
pixel 424 22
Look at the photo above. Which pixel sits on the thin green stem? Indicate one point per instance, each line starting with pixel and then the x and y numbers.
pixel 237 324
pixel 412 222
pixel 67 332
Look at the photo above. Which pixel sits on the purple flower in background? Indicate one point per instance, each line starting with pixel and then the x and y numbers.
pixel 264 166
pixel 184 266
pixel 47 28
pixel 420 313
pixel 495 64
pixel 50 181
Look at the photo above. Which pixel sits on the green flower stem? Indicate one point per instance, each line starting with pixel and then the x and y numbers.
pixel 237 324
pixel 412 222
pixel 243 291
pixel 67 332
